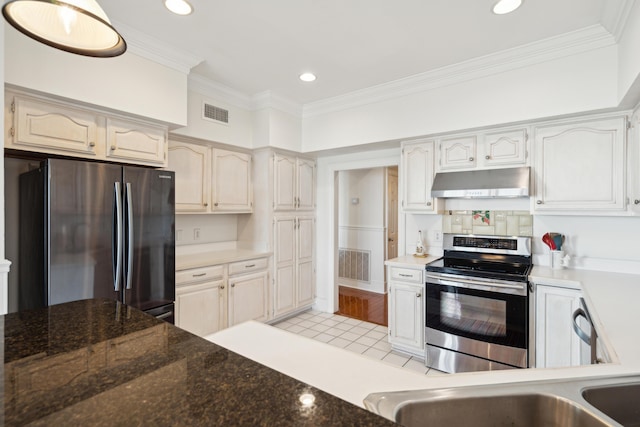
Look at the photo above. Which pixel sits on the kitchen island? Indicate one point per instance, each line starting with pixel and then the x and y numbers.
pixel 99 362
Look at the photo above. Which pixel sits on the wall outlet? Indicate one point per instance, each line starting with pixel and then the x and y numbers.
pixel 437 236
pixel 196 234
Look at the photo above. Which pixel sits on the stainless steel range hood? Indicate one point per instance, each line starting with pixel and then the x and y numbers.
pixel 511 182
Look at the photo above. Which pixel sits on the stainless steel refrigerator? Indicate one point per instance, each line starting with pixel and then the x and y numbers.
pixel 90 229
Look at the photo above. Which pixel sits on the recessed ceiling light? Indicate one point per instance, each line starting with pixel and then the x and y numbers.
pixel 503 7
pixel 179 7
pixel 307 77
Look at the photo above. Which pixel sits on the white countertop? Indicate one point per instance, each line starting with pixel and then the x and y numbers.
pixel 612 298
pixel 208 258
pixel 411 261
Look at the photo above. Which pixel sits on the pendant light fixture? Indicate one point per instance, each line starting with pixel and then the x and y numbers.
pixel 76 26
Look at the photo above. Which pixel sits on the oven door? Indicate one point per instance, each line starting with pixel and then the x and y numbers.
pixel 479 319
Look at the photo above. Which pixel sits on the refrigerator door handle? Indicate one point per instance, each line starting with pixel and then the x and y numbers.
pixel 129 272
pixel 117 195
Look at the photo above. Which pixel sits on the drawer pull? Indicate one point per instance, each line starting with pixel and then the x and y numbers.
pixel 249 266
pixel 200 275
pixel 405 275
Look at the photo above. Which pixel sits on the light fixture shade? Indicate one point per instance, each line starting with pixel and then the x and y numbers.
pixel 76 26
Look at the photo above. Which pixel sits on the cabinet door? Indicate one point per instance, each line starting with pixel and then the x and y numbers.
pixel 54 128
pixel 633 163
pixel 306 172
pixel 137 142
pixel 557 345
pixel 248 298
pixel 191 164
pixel 580 166
pixel 285 264
pixel 200 309
pixel 457 152
pixel 284 192
pixel 417 177
pixel 231 182
pixel 406 314
pixel 304 254
pixel 505 148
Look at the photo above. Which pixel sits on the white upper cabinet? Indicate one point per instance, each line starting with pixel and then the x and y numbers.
pixel 191 164
pixel 294 186
pixel 504 148
pixel 458 152
pixel 211 180
pixel 55 128
pixel 417 176
pixel 580 166
pixel 231 182
pixel 135 141
pixel 484 150
pixel 44 125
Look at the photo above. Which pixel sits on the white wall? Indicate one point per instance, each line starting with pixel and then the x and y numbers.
pixel 578 83
pixel 362 225
pixel 237 132
pixel 128 83
pixel 327 215
pixel 629 60
pixel 278 129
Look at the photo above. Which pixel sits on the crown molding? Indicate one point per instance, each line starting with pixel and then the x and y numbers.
pixel 213 89
pixel 579 41
pixel 155 50
pixel 270 99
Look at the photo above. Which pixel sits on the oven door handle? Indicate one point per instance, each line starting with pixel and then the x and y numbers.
pixel 468 283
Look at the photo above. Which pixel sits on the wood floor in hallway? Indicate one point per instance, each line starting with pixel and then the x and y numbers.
pixel 363 305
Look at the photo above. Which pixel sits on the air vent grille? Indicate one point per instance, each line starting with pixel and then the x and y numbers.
pixel 211 112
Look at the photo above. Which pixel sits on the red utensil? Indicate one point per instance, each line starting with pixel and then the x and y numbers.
pixel 546 238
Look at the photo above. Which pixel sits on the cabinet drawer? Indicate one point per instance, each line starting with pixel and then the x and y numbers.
pixel 247 266
pixel 199 274
pixel 406 275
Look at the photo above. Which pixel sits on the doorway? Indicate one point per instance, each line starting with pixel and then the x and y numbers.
pixel 367 229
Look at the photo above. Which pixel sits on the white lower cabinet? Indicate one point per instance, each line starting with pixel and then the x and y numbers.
pixel 212 298
pixel 557 345
pixel 200 309
pixel 248 298
pixel 406 310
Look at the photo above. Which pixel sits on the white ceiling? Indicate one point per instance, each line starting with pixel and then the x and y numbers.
pixel 253 46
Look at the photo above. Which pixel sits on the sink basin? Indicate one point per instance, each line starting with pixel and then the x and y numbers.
pixel 618 401
pixel 584 402
pixel 510 410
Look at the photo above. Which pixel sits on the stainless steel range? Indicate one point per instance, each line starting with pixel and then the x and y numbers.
pixel 477 304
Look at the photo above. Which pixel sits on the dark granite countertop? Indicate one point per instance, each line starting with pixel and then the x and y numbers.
pixel 99 362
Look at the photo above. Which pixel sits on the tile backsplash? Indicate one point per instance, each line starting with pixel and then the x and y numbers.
pixel 491 223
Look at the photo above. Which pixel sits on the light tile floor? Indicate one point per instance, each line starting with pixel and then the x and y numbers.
pixel 354 335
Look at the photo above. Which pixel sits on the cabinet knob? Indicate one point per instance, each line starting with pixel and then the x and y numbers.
pixel 418 295
pixel 233 285
pixel 222 287
pixel 92 144
pixel 538 202
pixel 471 159
pixel 488 157
pixel 113 148
pixel 636 202
pixel 428 203
pixel 215 204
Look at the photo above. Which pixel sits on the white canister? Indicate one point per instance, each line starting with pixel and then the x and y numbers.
pixel 559 260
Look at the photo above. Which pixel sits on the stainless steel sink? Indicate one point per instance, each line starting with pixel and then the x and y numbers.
pixel 591 402
pixel 620 402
